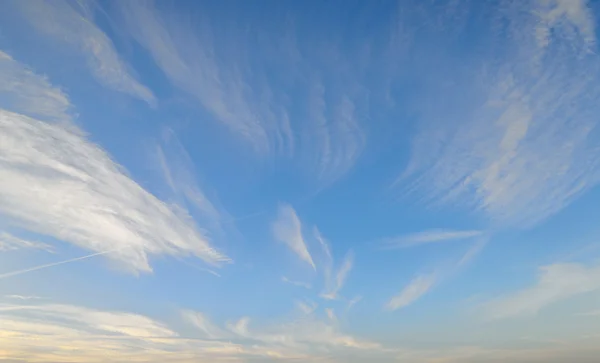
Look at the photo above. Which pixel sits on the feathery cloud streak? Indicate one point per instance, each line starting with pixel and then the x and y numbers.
pixel 25 92
pixel 555 282
pixel 8 242
pixel 287 229
pixel 73 24
pixel 429 236
pixel 524 150
pixel 418 287
pixel 57 183
pixel 319 125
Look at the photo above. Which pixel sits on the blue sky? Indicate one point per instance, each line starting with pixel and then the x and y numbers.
pixel 341 181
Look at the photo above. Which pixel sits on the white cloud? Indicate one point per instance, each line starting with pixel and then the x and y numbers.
pixel 516 142
pixel 44 266
pixel 203 323
pixel 555 283
pixel 327 264
pixel 57 183
pixel 178 170
pixel 287 229
pixel 306 334
pixel 334 285
pixel 25 92
pixel 305 285
pixel 418 287
pixel 574 15
pixel 320 128
pixel 333 280
pixel 353 302
pixel 429 236
pixel 8 242
pixel 114 322
pixel 67 333
pixel 188 58
pixel 331 314
pixel 306 307
pixel 22 297
pixel 73 23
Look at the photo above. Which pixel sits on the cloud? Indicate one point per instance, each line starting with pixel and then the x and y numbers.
pixel 517 142
pixel 73 24
pixel 333 283
pixel 331 314
pixel 23 91
pixel 429 236
pixel 63 333
pixel 554 283
pixel 178 170
pixel 287 229
pixel 353 302
pixel 333 286
pixel 125 324
pixel 580 352
pixel 315 121
pixel 306 334
pixel 41 267
pixel 418 287
pixel 8 242
pixel 57 183
pixel 22 297
pixel 574 15
pixel 203 323
pixel 306 307
pixel 296 283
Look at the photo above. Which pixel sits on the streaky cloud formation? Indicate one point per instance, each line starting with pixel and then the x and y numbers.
pixel 523 149
pixel 305 285
pixel 418 287
pixel 73 23
pixel 336 283
pixel 41 267
pixel 178 171
pixel 555 283
pixel 218 72
pixel 25 92
pixel 287 229
pixel 57 183
pixel 9 242
pixel 429 236
pixel 333 281
pixel 202 322
pixel 482 115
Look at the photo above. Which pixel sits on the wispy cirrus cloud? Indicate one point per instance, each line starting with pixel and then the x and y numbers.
pixel 333 280
pixel 335 283
pixel 9 242
pixel 518 141
pixel 415 289
pixel 315 122
pixel 25 92
pixel 57 332
pixel 305 285
pixel 287 229
pixel 201 322
pixel 73 24
pixel 22 297
pixel 554 283
pixel 429 236
pixel 306 334
pixel 57 183
pixel 178 170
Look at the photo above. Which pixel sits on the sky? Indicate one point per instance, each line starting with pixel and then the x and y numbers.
pixel 299 181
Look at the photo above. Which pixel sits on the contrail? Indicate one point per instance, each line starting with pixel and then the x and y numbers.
pixel 19 272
